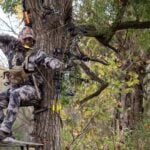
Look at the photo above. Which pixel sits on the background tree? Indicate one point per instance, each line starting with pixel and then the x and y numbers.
pixel 131 55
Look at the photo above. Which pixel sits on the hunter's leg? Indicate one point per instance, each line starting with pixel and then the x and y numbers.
pixel 4 96
pixel 25 93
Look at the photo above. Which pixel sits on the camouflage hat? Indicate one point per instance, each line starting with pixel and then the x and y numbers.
pixel 26 33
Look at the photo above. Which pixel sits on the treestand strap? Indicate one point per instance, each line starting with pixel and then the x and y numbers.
pixel 26 14
pixel 26 17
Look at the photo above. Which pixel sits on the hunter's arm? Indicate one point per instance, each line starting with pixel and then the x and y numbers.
pixel 6 39
pixel 7 43
pixel 41 58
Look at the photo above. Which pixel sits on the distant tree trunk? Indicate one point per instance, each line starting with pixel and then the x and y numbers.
pixel 146 94
pixel 130 108
pixel 50 29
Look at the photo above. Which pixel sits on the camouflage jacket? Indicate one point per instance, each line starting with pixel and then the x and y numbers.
pixel 17 55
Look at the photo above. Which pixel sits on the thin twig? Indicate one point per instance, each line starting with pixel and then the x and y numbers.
pixel 84 130
pixel 11 28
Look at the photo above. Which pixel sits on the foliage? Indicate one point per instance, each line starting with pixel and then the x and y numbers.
pixel 99 131
pixel 93 12
pixel 140 9
pixel 140 137
pixel 10 6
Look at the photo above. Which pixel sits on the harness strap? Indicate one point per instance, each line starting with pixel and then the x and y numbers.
pixel 36 86
pixel 28 54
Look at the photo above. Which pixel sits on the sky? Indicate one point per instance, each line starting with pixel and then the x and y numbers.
pixel 7 22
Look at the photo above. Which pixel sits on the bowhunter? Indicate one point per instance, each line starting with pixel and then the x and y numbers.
pixel 24 78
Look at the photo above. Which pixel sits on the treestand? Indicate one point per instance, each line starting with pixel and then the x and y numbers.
pixel 10 142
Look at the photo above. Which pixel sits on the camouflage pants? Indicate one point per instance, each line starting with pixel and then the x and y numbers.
pixel 12 99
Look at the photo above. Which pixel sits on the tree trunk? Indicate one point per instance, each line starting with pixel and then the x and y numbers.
pixel 146 83
pixel 50 29
pixel 132 104
pixel 130 108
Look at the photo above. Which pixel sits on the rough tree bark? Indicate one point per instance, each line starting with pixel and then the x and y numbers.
pixel 50 19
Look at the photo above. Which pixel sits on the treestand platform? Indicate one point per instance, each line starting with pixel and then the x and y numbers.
pixel 10 142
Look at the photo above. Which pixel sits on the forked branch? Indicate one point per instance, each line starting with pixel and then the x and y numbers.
pixel 93 76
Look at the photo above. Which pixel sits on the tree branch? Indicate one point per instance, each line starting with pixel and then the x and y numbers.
pixel 99 90
pixel 91 31
pixel 105 34
pixel 133 25
pixel 91 74
pixel 94 77
pixel 8 25
pixel 89 58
